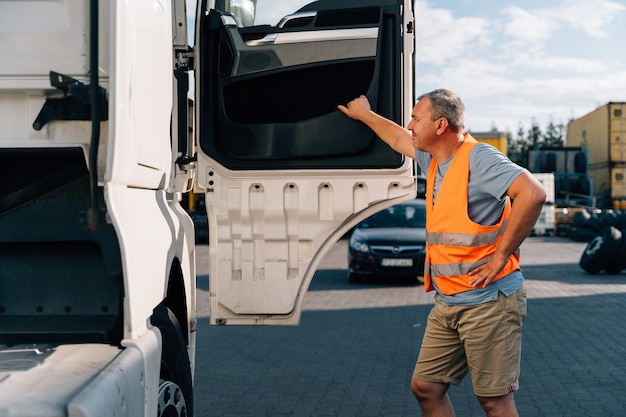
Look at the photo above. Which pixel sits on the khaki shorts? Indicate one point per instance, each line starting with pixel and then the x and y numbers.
pixel 485 340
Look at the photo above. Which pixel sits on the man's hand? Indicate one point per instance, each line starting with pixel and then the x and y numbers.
pixel 356 109
pixel 483 275
pixel 528 196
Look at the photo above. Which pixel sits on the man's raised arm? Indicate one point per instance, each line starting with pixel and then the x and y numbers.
pixel 390 132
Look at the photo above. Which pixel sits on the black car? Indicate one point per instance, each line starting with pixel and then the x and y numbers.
pixel 390 244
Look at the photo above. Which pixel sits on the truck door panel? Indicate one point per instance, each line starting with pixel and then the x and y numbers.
pixel 285 172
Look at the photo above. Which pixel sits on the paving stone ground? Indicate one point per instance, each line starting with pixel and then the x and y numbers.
pixel 354 351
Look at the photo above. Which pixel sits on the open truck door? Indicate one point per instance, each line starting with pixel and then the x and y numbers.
pixel 285 173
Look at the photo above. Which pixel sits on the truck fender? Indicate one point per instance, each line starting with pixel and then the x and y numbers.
pixel 128 386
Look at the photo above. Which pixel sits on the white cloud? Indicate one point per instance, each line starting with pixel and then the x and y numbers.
pixel 592 16
pixel 531 30
pixel 521 64
pixel 529 26
pixel 535 26
pixel 514 101
pixel 560 64
pixel 441 37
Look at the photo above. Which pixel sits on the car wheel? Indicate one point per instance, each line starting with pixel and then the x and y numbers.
pixel 601 250
pixel 175 385
pixel 354 278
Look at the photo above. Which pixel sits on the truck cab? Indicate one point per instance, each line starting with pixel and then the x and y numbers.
pixel 104 130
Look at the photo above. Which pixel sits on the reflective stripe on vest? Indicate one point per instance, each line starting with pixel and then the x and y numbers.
pixel 454 243
pixel 460 239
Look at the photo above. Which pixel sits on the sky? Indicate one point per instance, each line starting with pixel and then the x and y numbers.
pixel 513 63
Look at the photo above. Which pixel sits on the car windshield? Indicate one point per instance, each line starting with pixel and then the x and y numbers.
pixel 397 216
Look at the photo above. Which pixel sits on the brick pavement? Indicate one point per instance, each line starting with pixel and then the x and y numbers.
pixel 353 353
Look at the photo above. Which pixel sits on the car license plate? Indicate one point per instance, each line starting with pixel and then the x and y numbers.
pixel 396 262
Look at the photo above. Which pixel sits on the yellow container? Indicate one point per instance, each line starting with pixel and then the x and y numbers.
pixel 617 132
pixel 603 132
pixel 618 183
pixel 618 147
pixel 496 139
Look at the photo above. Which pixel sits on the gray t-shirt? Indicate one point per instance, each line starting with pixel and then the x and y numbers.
pixel 491 175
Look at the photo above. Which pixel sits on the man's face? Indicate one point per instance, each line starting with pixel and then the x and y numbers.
pixel 423 128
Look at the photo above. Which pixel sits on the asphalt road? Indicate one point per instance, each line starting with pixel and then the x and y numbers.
pixel 354 351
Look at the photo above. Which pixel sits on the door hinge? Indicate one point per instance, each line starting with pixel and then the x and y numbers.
pixel 186 162
pixel 184 59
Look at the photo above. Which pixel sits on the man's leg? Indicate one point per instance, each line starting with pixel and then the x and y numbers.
pixel 433 398
pixel 503 406
pixel 441 362
pixel 495 366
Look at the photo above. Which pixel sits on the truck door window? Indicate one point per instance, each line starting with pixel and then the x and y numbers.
pixel 270 92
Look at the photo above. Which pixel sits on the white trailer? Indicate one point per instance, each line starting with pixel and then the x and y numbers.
pixel 98 143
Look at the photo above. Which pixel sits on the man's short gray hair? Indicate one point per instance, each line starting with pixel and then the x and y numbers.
pixel 444 103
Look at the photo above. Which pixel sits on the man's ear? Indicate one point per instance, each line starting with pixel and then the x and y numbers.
pixel 442 123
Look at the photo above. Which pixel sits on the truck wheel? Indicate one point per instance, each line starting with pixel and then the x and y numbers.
pixel 175 385
pixel 611 218
pixel 618 262
pixel 601 250
pixel 586 219
pixel 580 218
pixel 582 234
pixel 595 223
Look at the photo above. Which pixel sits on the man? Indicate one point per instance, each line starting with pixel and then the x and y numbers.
pixel 473 236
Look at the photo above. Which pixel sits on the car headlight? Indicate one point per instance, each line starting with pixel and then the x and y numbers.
pixel 359 245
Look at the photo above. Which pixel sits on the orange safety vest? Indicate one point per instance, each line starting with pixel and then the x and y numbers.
pixel 455 244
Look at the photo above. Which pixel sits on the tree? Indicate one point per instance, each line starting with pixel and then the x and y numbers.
pixel 553 137
pixel 526 140
pixel 518 147
pixel 535 136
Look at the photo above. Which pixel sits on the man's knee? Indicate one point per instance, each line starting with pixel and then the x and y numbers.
pixel 428 390
pixel 499 406
pixel 417 387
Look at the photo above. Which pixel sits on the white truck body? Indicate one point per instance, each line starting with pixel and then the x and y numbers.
pixel 97 261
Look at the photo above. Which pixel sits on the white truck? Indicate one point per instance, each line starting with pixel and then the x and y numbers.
pixel 98 142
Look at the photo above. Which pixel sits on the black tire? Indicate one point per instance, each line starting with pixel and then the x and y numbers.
pixel 601 250
pixel 592 220
pixel 550 162
pixel 584 186
pixel 354 278
pixel 622 216
pixel 596 223
pixel 580 162
pixel 175 386
pixel 618 262
pixel 582 234
pixel 559 187
pixel 580 218
pixel 611 218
